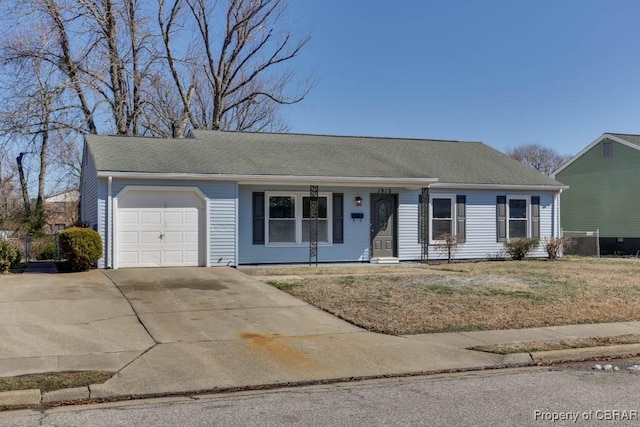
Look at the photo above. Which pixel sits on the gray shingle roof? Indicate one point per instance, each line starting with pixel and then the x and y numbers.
pixel 633 139
pixel 244 153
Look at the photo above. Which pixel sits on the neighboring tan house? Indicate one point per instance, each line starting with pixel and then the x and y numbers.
pixel 62 210
pixel 603 191
pixel 232 198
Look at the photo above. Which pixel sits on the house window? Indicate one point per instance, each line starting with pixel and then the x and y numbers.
pixel 58 227
pixel 442 212
pixel 323 223
pixel 447 215
pixel 289 218
pixel 282 219
pixel 606 149
pixel 518 217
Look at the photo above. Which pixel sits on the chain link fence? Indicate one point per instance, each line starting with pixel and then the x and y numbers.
pixel 38 248
pixel 584 243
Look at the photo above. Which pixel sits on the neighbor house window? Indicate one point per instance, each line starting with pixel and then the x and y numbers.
pixel 442 214
pixel 518 217
pixel 606 149
pixel 289 218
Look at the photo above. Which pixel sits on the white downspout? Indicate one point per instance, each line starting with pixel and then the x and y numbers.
pixel 109 263
pixel 558 213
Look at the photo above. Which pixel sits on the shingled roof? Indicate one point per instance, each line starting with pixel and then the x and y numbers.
pixel 279 154
pixel 632 139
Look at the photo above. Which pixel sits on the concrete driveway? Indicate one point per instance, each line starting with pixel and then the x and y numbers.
pixel 219 328
pixel 62 322
pixel 176 330
pixel 199 304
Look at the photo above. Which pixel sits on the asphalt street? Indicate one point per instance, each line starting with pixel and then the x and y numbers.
pixel 566 395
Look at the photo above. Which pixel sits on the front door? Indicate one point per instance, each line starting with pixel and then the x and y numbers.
pixel 383 209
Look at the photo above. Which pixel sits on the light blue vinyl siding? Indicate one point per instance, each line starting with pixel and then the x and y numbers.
pixel 481 240
pixel 222 214
pixel 231 226
pixel 356 231
pixel 89 192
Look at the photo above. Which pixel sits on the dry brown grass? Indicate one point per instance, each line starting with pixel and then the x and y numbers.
pixel 477 296
pixel 535 346
pixel 54 380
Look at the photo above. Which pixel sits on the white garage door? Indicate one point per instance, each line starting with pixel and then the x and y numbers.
pixel 160 229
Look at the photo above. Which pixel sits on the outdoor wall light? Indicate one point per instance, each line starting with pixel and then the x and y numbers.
pixel 358 201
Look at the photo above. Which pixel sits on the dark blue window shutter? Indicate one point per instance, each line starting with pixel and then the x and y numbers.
pixel 338 218
pixel 258 218
pixel 501 210
pixel 535 216
pixel 461 211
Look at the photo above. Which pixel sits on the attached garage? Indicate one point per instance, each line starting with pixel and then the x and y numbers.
pixel 160 227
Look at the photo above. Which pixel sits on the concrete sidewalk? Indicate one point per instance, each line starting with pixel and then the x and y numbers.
pixel 550 333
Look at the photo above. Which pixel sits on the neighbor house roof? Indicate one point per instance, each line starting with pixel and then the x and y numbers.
pixel 67 196
pixel 629 140
pixel 297 155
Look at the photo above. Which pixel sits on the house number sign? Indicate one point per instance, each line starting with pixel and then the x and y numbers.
pixel 384 191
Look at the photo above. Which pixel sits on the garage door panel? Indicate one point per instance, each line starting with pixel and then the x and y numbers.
pixel 147 217
pixel 150 237
pixel 160 229
pixel 173 257
pixel 128 217
pixel 174 237
pixel 191 218
pixel 174 217
pixel 153 257
pixel 191 237
pixel 191 257
pixel 128 237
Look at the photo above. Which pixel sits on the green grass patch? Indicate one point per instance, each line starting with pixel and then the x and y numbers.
pixel 284 286
pixel 54 380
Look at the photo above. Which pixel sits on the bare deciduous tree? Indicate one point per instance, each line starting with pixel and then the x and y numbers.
pixel 127 67
pixel 543 159
pixel 238 69
pixel 9 198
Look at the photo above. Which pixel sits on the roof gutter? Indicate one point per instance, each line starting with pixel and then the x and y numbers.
pixel 522 187
pixel 285 179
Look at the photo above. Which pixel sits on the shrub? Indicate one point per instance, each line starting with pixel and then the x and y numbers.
pixel 9 255
pixel 43 247
pixel 448 245
pixel 555 245
pixel 81 246
pixel 518 248
pixel 50 251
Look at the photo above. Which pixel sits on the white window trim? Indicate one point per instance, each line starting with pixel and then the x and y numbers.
pixel 297 195
pixel 528 210
pixel 454 215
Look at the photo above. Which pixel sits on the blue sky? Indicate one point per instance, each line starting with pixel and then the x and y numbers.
pixel 556 73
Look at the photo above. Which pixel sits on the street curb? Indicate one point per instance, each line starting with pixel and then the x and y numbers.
pixel 20 397
pixel 66 394
pixel 93 394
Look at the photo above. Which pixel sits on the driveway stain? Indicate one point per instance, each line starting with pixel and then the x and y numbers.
pixel 276 348
pixel 194 284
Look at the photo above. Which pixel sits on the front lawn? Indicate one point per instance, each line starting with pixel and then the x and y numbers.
pixel 473 296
